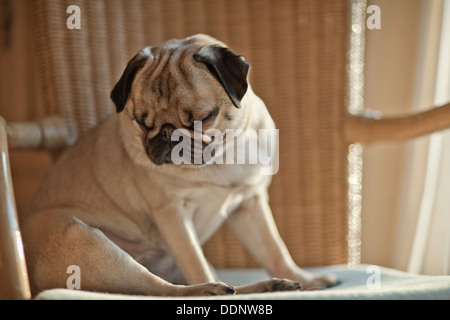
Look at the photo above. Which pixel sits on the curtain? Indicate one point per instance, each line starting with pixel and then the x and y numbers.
pixel 420 223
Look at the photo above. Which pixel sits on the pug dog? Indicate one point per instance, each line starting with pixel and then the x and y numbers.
pixel 118 207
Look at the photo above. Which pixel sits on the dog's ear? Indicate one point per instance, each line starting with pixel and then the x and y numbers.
pixel 119 95
pixel 230 69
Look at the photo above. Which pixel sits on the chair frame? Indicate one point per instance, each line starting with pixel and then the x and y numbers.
pixel 15 283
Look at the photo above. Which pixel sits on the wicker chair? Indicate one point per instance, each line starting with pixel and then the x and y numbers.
pixel 297 50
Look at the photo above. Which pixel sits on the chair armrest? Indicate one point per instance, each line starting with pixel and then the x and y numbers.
pixel 367 129
pixel 48 134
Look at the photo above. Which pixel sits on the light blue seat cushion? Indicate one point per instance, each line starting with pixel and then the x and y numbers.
pixel 360 282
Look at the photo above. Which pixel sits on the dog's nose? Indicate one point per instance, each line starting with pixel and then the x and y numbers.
pixel 166 132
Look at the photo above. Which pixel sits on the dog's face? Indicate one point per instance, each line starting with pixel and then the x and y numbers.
pixel 175 84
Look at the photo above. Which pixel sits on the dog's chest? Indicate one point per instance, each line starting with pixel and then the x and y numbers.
pixel 208 205
pixel 208 210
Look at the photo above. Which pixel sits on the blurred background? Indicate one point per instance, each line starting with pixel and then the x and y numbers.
pixel 405 211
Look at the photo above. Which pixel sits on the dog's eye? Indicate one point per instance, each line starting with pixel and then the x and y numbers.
pixel 211 115
pixel 143 125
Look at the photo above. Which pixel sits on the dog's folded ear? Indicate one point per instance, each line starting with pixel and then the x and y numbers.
pixel 119 95
pixel 230 69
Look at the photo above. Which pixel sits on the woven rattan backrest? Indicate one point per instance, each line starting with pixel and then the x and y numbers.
pixel 297 50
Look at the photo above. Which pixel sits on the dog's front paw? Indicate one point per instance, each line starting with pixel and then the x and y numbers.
pixel 210 289
pixel 271 285
pixel 310 281
pixel 276 284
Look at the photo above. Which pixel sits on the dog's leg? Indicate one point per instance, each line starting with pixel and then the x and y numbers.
pixel 104 267
pixel 179 236
pixel 254 225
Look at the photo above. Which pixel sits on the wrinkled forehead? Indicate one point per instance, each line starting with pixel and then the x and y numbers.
pixel 173 75
pixel 172 82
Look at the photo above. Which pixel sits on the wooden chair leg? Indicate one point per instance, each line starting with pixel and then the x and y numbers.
pixel 13 271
